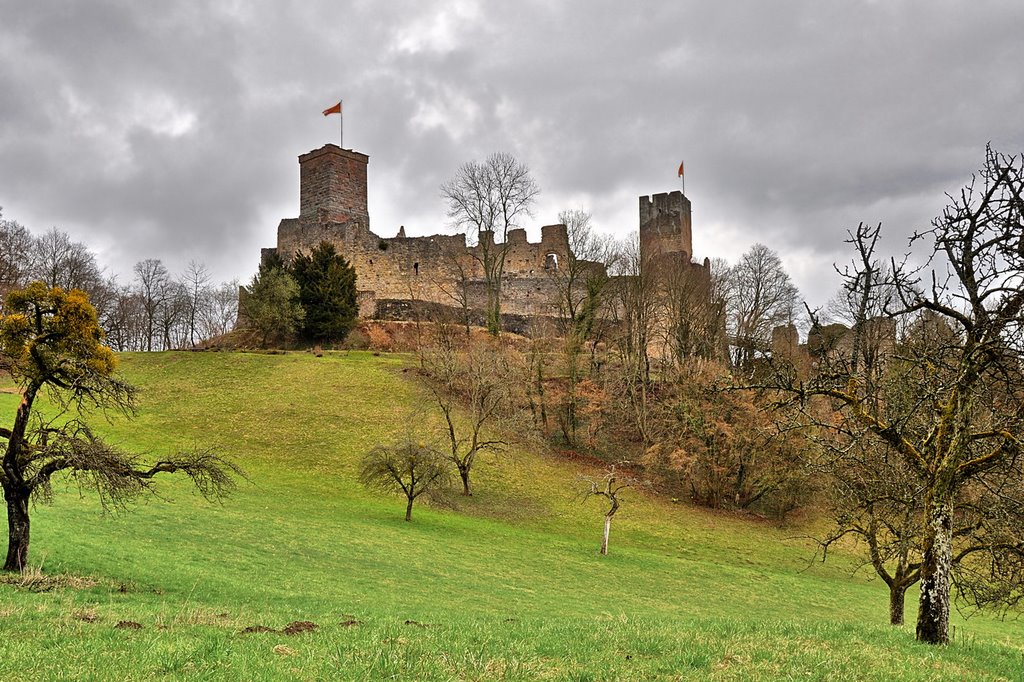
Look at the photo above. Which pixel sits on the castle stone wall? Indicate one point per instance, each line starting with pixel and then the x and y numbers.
pixel 442 270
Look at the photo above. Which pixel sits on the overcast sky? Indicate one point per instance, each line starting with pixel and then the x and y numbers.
pixel 171 129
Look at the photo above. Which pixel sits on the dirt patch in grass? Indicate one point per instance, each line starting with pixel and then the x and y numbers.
pixel 86 615
pixel 299 626
pixel 255 629
pixel 417 624
pixel 128 625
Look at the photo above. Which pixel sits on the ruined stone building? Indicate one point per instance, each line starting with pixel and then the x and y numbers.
pixel 440 270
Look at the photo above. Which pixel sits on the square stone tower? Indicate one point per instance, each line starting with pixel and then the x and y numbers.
pixel 665 226
pixel 332 186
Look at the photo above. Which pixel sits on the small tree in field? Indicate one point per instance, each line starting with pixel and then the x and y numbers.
pixel 473 390
pixel 51 342
pixel 610 487
pixel 413 468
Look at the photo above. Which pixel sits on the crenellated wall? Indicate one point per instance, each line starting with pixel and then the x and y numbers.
pixel 443 269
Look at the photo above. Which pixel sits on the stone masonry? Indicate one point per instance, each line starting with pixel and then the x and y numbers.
pixel 443 269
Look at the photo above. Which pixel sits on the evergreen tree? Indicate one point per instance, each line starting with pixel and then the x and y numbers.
pixel 270 305
pixel 327 292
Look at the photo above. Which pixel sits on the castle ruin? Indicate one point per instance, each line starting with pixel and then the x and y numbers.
pixel 444 270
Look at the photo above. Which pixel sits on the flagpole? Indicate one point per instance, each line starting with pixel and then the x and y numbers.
pixel 341 123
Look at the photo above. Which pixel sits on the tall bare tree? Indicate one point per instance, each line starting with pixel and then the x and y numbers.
pixel 635 300
pixel 60 262
pixel 196 282
pixel 15 255
pixel 694 308
pixel 153 283
pixel 951 404
pixel 221 310
pixel 472 388
pixel 487 199
pixel 761 297
pixel 582 299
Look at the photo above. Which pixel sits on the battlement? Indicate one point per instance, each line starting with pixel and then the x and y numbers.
pixel 443 269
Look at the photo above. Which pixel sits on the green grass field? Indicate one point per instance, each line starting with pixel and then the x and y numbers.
pixel 505 585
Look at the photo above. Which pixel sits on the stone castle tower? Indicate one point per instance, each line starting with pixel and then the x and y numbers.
pixel 396 275
pixel 665 226
pixel 332 186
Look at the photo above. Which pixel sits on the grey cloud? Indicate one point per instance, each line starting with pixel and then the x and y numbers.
pixel 171 130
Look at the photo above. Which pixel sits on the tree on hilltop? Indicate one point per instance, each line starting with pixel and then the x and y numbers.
pixel 16 244
pixel 327 293
pixel 51 343
pixel 760 298
pixel 487 199
pixel 270 304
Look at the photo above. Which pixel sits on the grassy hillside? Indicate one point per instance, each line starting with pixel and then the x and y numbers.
pixel 505 585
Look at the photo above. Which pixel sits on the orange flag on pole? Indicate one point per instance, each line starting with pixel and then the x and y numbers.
pixel 336 109
pixel 680 165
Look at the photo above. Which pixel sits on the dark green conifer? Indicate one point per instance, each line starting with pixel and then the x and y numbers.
pixel 327 292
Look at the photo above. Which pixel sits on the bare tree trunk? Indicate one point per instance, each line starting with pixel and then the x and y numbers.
pixel 17 530
pixel 408 509
pixel 897 593
pixel 464 475
pixel 933 610
pixel 607 532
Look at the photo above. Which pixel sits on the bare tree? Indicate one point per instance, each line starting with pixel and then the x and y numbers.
pixel 153 282
pixel 694 307
pixel 876 499
pixel 582 293
pixel 196 282
pixel 634 296
pixel 951 404
pixel 472 388
pixel 609 486
pixel 15 255
pixel 761 297
pixel 458 289
pixel 60 262
pixel 487 199
pixel 221 310
pixel 413 468
pixel 173 314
